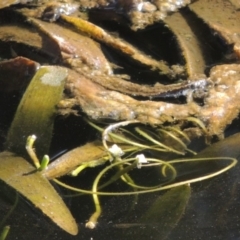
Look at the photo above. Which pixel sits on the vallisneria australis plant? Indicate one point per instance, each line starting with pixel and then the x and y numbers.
pixel 127 146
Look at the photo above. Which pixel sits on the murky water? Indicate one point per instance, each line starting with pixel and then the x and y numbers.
pixel 204 210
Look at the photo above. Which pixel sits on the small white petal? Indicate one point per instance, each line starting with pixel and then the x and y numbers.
pixel 140 6
pixel 115 150
pixel 141 159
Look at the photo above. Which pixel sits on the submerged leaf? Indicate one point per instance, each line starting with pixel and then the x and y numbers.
pixel 168 208
pixel 166 211
pixel 16 172
pixel 35 113
pixel 229 147
pixel 163 215
pixel 91 152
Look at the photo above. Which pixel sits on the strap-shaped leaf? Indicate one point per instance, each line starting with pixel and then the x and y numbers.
pixel 23 177
pixel 35 113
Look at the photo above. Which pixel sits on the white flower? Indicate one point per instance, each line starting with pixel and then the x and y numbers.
pixel 141 159
pixel 116 151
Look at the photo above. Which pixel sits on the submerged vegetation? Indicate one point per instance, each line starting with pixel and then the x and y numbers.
pixel 141 128
pixel 127 153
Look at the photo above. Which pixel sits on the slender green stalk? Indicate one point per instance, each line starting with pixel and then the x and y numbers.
pixel 147 136
pixel 75 172
pixel 177 139
pixel 179 132
pixel 159 188
pixel 44 163
pixel 198 122
pixel 10 211
pixel 92 222
pixel 29 147
pixel 94 125
pixel 112 127
pixel 122 173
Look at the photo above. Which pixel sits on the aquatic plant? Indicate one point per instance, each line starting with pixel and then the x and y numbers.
pixel 126 150
pixel 100 93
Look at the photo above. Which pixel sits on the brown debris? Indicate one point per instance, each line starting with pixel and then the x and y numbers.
pixel 221 106
pixel 19 70
pixel 222 17
pixel 76 48
pixel 6 3
pixel 189 44
pixel 100 94
pixel 119 44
